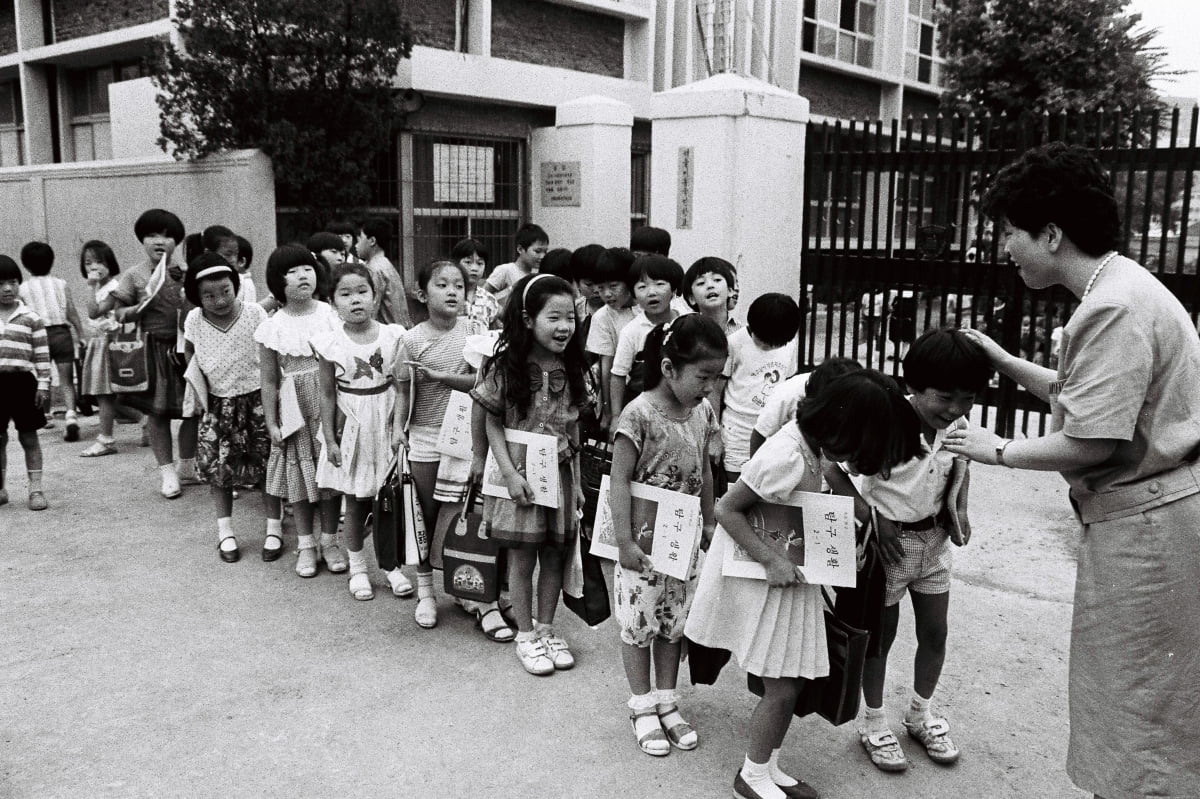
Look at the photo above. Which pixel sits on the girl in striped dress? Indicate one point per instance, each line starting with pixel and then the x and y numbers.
pixel 291 389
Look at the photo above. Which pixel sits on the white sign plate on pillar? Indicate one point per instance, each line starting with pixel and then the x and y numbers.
pixel 683 194
pixel 560 184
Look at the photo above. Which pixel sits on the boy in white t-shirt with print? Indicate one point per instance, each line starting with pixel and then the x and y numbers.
pixel 654 281
pixel 761 356
pixel 783 403
pixel 944 371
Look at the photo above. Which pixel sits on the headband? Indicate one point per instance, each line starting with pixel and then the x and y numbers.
pixel 212 270
pixel 667 333
pixel 532 280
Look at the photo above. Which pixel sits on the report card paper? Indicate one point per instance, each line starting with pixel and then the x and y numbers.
pixel 666 525
pixel 539 455
pixel 814 531
pixel 454 439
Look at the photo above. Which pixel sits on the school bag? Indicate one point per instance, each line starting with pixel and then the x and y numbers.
pixel 470 556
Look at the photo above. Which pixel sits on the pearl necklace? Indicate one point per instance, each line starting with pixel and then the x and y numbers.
pixel 1088 288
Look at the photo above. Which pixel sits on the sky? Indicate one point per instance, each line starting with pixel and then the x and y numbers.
pixel 1178 22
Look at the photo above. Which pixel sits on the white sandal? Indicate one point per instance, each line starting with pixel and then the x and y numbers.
pixel 360 587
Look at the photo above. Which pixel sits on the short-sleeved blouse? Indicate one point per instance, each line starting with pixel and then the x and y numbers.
pixel 441 351
pixel 291 334
pixel 228 358
pixel 552 410
pixel 360 366
pixel 1130 371
pixel 672 453
pixel 161 315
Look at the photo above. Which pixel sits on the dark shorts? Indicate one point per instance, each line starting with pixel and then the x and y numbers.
pixel 62 346
pixel 18 402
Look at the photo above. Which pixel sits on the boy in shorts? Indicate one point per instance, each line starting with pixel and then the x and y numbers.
pixel 944 371
pixel 24 380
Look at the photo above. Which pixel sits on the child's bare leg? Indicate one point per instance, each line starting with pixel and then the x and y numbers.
pixel 108 414
pixel 875 668
pixel 331 509
pixel 188 433
pixel 302 515
pixel 160 439
pixel 306 543
pixel 550 582
pixel 273 541
pixel 931 612
pixel 223 505
pixel 771 718
pixel 424 481
pixel 636 660
pixel 356 516
pixel 33 458
pixel 520 586
pixel 66 382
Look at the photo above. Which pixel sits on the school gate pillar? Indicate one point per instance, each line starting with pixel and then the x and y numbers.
pixel 581 173
pixel 727 178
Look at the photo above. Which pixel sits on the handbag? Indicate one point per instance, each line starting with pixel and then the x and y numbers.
pixel 469 556
pixel 128 370
pixel 593 606
pixel 398 525
pixel 835 698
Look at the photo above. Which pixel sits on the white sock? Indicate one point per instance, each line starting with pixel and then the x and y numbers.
pixel 424 586
pixel 327 540
pixel 358 562
pixel 640 703
pixel 758 777
pixel 186 467
pixel 306 542
pixel 103 439
pixel 875 720
pixel 224 531
pixel 666 697
pixel 777 775
pixel 275 527
pixel 168 470
pixel 918 709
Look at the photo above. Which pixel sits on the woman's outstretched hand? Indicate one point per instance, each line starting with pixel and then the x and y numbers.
pixel 975 443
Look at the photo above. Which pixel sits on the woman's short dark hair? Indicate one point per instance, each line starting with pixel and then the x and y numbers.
pixel 1063 184
pixel 203 261
pixel 864 417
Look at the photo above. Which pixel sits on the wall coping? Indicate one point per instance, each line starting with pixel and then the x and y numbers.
pixel 729 95
pixel 123 167
pixel 594 109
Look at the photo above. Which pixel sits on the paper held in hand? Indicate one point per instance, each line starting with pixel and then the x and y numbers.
pixel 666 525
pixel 454 439
pixel 814 531
pixel 538 454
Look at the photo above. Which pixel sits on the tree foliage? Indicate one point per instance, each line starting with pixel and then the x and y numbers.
pixel 309 82
pixel 1027 57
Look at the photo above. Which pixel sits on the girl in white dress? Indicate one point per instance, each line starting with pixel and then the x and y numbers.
pixel 358 397
pixel 775 628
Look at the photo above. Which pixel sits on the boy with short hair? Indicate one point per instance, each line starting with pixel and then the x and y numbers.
pixel 647 240
pixel 761 356
pixel 583 274
pixel 24 381
pixel 708 287
pixel 654 280
pixel 391 301
pixel 944 371
pixel 532 243
pixel 612 267
pixel 50 298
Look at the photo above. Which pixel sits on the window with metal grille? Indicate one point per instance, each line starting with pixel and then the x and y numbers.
pixel 840 29
pixel 11 124
pixel 461 187
pixel 922 62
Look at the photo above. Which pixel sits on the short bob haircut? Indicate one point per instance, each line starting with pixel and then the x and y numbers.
pixel 827 371
pixel 9 270
pixel 558 262
pixel 704 266
pixel 340 271
pixel 648 240
pixel 465 248
pixel 156 221
pixel 102 253
pixel 206 261
pixel 947 360
pixel 864 417
pixel 325 241
pixel 655 267
pixel 1061 184
pixel 38 258
pixel 613 265
pixel 426 271
pixel 215 235
pixel 287 257
pixel 583 262
pixel 774 319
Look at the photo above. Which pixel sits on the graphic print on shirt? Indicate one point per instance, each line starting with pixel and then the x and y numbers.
pixel 767 376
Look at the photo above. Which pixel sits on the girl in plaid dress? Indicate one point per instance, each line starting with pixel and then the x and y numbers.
pixel 535 384
pixel 291 390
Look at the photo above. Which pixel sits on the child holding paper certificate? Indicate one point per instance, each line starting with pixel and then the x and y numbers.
pixel 429 368
pixel 291 391
pixel 775 628
pixel 534 385
pixel 662 440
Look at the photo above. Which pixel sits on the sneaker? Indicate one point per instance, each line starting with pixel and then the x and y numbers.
pixel 170 485
pixel 558 652
pixel 37 501
pixel 306 562
pixel 534 658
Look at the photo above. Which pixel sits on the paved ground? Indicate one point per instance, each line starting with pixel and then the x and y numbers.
pixel 133 663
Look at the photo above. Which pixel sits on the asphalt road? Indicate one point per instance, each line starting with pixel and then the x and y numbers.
pixel 134 663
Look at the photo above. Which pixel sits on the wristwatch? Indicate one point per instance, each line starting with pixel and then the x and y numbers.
pixel 1003 445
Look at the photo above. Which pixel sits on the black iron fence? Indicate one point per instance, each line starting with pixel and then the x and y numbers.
pixel 893 241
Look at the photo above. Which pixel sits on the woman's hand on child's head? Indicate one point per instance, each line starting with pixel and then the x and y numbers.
pixel 518 489
pixel 994 351
pixel 632 558
pixel 781 572
pixel 276 434
pixel 890 548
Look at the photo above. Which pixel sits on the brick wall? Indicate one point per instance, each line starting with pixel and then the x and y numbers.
pixel 8 27
pixel 432 21
pixel 835 95
pixel 556 36
pixel 75 18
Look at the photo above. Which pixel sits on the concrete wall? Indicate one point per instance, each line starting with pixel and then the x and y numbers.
pixel 133 114
pixel 75 18
pixel 68 204
pixel 557 36
pixel 834 94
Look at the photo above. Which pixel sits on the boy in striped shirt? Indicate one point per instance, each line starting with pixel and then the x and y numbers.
pixel 24 380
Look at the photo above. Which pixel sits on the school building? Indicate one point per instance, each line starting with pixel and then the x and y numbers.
pixel 516 110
